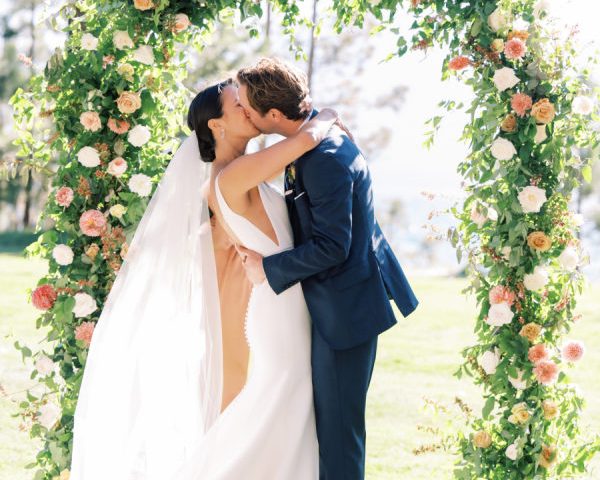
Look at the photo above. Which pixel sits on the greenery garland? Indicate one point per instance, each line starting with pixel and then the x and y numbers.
pixel 115 97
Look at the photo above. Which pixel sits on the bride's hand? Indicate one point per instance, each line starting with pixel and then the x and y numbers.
pixel 317 129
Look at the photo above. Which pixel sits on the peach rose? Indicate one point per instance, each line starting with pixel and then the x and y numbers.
pixel 548 456
pixel 84 332
pixel 64 196
pixel 521 102
pixel 530 331
pixel 572 351
pixel 117 166
pixel 181 22
pixel 546 372
pixel 550 409
pixel 118 126
pixel 129 102
pixel 90 121
pixel 92 223
pixel 482 439
pixel 543 111
pixel 459 63
pixel 143 4
pixel 515 49
pixel 509 124
pixel 500 293
pixel 537 353
pixel 539 241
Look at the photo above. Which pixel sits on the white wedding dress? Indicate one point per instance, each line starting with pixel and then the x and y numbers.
pixel 268 432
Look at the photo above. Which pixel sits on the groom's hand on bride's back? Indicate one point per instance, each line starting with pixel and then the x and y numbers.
pixel 253 263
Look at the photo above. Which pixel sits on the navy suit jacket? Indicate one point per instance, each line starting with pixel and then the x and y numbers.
pixel 346 267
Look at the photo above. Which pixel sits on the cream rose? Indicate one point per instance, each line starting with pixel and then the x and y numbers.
pixel 122 40
pixel 482 439
pixel 88 157
pixel 497 20
pixel 140 184
pixel 44 365
pixel 512 452
pixel 537 279
pixel 117 167
pixel 144 54
pixel 126 71
pixel 139 135
pixel 84 305
pixel 489 361
pixel 518 383
pixel 540 134
pixel 505 78
pixel 503 149
pixel 129 102
pixel 569 259
pixel 582 105
pixel 89 42
pixel 532 199
pixel 117 210
pixel 50 413
pixel 62 254
pixel 499 314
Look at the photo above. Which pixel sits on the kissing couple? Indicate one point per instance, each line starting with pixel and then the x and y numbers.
pixel 239 337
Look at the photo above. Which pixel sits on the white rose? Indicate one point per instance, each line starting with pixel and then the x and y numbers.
pixel 62 254
pixel 140 184
pixel 497 20
pixel 89 42
pixel 84 305
pixel 568 259
pixel 503 149
pixel 505 78
pixel 512 452
pixel 582 105
pixel 489 361
pixel 49 414
pixel 518 382
pixel 144 54
pixel 117 167
pixel 44 365
pixel 477 217
pixel 88 157
pixel 536 280
pixel 499 314
pixel 532 198
pixel 122 40
pixel 139 135
pixel 540 134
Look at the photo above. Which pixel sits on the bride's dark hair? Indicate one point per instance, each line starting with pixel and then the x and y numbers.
pixel 206 105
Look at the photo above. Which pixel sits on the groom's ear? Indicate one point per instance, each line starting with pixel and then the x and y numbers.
pixel 275 115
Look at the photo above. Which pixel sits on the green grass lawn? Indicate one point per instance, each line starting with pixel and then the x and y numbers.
pixel 416 359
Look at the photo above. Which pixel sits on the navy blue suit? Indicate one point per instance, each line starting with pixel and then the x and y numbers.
pixel 348 274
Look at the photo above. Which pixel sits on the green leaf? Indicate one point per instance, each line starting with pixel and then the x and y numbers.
pixel 487 408
pixel 586 173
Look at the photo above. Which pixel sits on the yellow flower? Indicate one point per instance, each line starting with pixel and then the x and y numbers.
pixel 482 439
pixel 550 409
pixel 117 210
pixel 539 241
pixel 126 71
pixel 530 331
pixel 520 414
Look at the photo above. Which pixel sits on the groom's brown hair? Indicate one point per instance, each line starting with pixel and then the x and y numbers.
pixel 272 83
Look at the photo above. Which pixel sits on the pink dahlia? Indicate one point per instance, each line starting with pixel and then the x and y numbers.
pixel 500 294
pixel 520 103
pixel 43 297
pixel 64 196
pixel 515 49
pixel 92 223
pixel 459 63
pixel 546 372
pixel 538 353
pixel 118 126
pixel 572 351
pixel 84 332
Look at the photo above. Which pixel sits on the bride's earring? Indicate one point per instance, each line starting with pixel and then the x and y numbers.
pixel 222 133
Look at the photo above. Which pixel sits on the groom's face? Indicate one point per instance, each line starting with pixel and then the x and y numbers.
pixel 265 123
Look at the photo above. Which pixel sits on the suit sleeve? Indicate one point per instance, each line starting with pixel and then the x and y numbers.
pixel 329 186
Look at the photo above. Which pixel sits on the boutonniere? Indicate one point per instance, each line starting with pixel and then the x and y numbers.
pixel 291 175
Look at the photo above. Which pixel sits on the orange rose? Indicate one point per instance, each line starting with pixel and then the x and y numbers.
pixel 520 34
pixel 143 4
pixel 129 102
pixel 180 23
pixel 543 111
pixel 509 124
pixel 539 241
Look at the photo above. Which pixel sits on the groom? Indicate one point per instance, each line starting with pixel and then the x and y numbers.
pixel 347 269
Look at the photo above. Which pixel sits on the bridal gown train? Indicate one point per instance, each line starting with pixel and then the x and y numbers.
pixel 268 431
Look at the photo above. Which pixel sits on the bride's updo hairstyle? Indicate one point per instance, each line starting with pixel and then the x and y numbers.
pixel 206 105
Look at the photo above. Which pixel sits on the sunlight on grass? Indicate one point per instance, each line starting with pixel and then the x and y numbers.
pixel 415 359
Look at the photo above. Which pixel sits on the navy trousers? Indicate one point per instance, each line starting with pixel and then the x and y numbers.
pixel 340 382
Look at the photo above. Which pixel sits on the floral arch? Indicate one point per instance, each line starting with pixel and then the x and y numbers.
pixel 109 93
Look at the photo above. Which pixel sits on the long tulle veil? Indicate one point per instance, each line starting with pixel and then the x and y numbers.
pixel 153 376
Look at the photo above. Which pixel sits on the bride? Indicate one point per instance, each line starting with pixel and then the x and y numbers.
pixel 151 403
